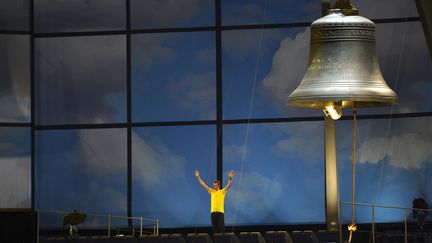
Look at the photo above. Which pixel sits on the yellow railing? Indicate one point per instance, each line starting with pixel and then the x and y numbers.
pixel 144 223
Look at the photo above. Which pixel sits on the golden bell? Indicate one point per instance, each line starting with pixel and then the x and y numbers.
pixel 343 69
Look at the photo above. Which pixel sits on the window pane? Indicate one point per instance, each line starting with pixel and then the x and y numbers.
pixel 15 15
pixel 164 185
pixel 381 9
pixel 279 173
pixel 291 11
pixel 15 78
pixel 269 12
pixel 15 168
pixel 394 165
pixel 79 15
pixel 80 80
pixel 150 14
pixel 406 65
pixel 260 69
pixel 84 170
pixel 173 77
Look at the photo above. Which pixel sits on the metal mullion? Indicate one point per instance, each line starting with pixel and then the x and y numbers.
pixel 79 126
pixel 217 28
pixel 35 238
pixel 15 124
pixel 174 123
pixel 219 113
pixel 129 113
pixel 15 32
pixel 78 34
pixel 32 102
pixel 169 30
pixel 319 118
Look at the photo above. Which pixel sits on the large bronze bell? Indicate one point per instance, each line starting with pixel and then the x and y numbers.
pixel 343 68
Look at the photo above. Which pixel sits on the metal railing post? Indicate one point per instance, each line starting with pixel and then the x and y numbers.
pixel 141 222
pixel 373 223
pixel 406 227
pixel 156 231
pixel 109 225
pixel 38 226
pixel 340 221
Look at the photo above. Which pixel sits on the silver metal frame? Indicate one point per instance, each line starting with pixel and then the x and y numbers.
pixel 155 222
pixel 373 206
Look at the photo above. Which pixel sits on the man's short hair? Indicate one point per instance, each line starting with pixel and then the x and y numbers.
pixel 218 182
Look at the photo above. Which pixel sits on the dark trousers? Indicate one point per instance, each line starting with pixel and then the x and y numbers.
pixel 218 222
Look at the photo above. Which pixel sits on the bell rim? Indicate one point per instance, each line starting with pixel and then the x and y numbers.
pixel 346 102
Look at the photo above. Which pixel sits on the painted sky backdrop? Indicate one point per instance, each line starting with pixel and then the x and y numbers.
pixel 280 166
pixel 15 76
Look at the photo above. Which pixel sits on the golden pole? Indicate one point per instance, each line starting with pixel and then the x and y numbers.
pixel 352 227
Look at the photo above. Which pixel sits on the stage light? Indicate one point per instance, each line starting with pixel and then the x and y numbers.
pixel 335 112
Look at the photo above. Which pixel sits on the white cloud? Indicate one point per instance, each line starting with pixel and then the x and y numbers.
pixel 153 49
pixel 248 190
pixel 305 140
pixel 304 147
pixel 235 153
pixel 195 92
pixel 103 153
pixel 242 43
pixel 206 56
pixel 408 151
pixel 14 108
pixel 404 143
pixel 154 162
pixel 373 150
pixel 243 12
pixel 288 67
pixel 117 199
pixel 15 182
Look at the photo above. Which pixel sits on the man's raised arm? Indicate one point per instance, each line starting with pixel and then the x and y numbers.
pixel 230 175
pixel 197 175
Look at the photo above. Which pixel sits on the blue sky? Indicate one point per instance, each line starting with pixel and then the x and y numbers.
pixel 280 167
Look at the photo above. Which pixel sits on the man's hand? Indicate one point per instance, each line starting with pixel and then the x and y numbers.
pixel 231 174
pixel 197 174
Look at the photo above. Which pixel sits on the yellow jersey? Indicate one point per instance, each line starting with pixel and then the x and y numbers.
pixel 217 200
